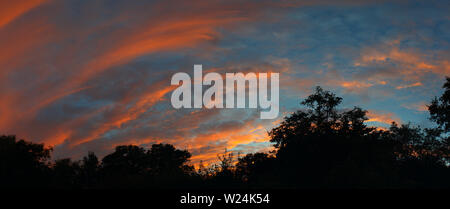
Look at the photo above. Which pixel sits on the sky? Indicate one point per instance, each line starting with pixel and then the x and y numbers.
pixel 86 76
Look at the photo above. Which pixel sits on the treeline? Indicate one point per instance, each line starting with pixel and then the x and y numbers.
pixel 319 147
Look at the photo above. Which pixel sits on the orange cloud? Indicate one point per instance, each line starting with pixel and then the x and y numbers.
pixel 160 37
pixel 355 85
pixel 165 31
pixel 75 60
pixel 31 34
pixel 386 118
pixel 143 103
pixel 183 29
pixel 410 64
pixel 417 106
pixel 232 138
pixel 10 10
pixel 409 85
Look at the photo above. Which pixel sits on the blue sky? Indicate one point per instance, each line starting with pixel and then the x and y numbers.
pixel 90 75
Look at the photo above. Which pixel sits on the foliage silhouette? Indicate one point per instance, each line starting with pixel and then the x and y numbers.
pixel 320 146
pixel 22 163
pixel 440 108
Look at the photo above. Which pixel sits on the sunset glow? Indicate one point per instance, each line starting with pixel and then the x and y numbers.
pixel 82 76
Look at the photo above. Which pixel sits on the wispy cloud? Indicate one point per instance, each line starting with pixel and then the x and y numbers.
pixel 382 117
pixel 85 76
pixel 409 85
pixel 11 10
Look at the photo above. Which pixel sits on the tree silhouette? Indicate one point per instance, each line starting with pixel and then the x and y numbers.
pixel 326 147
pixel 440 108
pixel 166 160
pixel 89 170
pixel 66 173
pixel 256 168
pixel 320 146
pixel 134 166
pixel 22 163
pixel 126 160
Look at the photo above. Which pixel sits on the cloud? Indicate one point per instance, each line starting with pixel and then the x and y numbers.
pixel 391 61
pixel 382 117
pixel 85 76
pixel 62 56
pixel 409 85
pixel 10 10
pixel 421 106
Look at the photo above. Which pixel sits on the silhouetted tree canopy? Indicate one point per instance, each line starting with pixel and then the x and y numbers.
pixel 319 146
pixel 320 119
pixel 126 160
pixel 22 163
pixel 440 108
pixel 166 160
